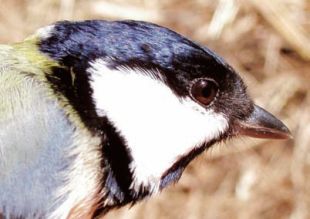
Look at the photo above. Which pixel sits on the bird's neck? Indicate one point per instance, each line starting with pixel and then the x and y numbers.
pixel 29 55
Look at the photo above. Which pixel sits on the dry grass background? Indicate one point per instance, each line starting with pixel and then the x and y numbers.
pixel 268 42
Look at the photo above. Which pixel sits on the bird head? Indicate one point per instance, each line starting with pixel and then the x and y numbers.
pixel 157 100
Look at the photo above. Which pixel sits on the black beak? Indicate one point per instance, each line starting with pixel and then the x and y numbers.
pixel 262 124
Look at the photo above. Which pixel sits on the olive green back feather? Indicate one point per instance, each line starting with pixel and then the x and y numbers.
pixel 21 64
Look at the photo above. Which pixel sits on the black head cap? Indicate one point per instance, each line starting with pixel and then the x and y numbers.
pixel 147 46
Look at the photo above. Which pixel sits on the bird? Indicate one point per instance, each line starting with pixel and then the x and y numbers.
pixel 96 114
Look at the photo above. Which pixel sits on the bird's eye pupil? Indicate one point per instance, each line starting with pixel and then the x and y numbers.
pixel 204 91
pixel 207 91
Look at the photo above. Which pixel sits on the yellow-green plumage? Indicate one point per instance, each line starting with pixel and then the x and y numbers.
pixel 18 73
pixel 21 66
pixel 46 152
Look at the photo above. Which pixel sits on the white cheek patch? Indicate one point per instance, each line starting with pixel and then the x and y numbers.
pixel 158 127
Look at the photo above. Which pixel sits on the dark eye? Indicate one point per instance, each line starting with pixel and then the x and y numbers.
pixel 204 91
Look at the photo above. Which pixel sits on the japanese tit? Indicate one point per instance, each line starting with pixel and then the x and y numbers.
pixel 97 114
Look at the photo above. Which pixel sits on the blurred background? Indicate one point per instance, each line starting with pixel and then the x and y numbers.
pixel 268 43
